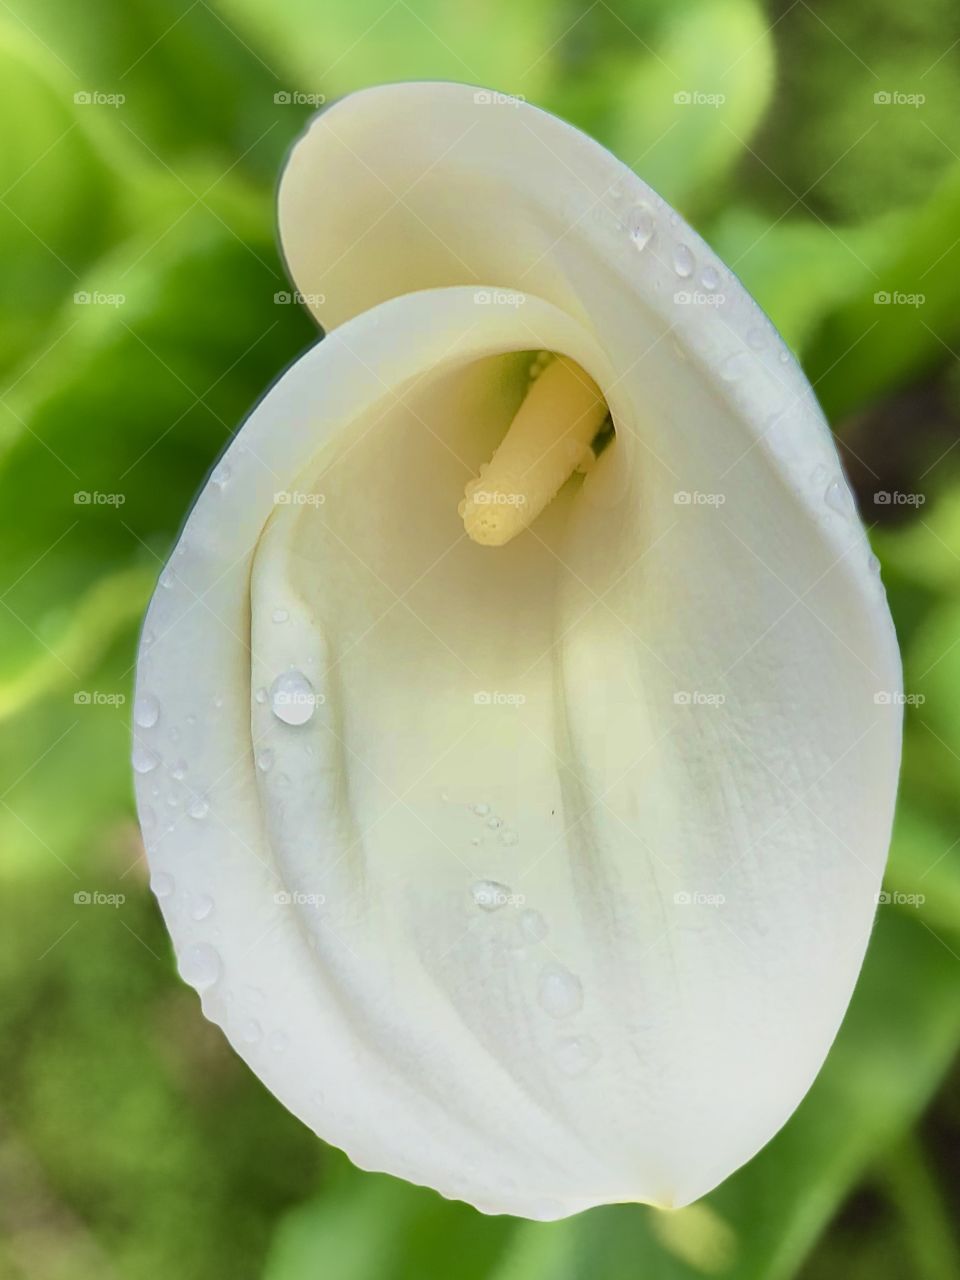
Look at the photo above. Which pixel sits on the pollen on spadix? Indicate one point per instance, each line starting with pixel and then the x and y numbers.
pixel 548 439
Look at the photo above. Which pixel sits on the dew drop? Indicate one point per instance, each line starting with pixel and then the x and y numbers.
pixel 162 884
pixel 756 339
pixel 873 564
pixel 198 808
pixel 261 694
pixel 280 615
pixel 642 227
pixel 494 823
pixel 252 1031
pixel 710 278
pixel 481 810
pixel 683 261
pixel 577 1055
pixel 221 476
pixel 146 711
pixel 179 771
pixel 264 760
pixel 200 966
pixel 202 907
pixel 279 1041
pixel 490 895
pixel 292 698
pixel 166 579
pixel 508 837
pixel 144 759
pixel 836 498
pixel 733 367
pixel 560 992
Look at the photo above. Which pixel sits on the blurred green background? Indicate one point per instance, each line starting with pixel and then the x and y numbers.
pixel 142 141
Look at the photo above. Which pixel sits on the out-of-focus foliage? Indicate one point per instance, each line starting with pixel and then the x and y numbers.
pixel 145 311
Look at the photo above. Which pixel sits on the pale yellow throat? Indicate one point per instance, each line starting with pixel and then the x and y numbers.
pixel 547 441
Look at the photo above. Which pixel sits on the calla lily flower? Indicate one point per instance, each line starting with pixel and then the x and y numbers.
pixel 518 716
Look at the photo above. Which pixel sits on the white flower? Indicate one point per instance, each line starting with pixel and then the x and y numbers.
pixel 539 872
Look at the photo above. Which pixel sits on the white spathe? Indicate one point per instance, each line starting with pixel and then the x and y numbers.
pixel 539 874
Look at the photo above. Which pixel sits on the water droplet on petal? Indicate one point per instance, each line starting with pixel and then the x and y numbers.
pixel 144 759
pixel 221 476
pixel 264 760
pixel 733 367
pixel 490 895
pixel 710 278
pixel 560 992
pixel 261 694
pixel 252 1031
pixel 683 261
pixel 166 579
pixel 279 1041
pixel 836 498
pixel 202 907
pixel 179 771
pixel 756 339
pixel 481 810
pixel 642 227
pixel 292 698
pixel 146 711
pixel 873 563
pixel 198 808
pixel 577 1055
pixel 163 885
pixel 280 615
pixel 508 837
pixel 200 966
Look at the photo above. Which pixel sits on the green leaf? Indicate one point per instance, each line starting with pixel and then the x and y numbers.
pixel 373 1227
pixel 59 201
pixel 337 48
pixel 902 323
pixel 799 270
pixel 190 84
pixel 685 109
pixel 110 432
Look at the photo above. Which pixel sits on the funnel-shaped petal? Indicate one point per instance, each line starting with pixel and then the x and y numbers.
pixel 541 872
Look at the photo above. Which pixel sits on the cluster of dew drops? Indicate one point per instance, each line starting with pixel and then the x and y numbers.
pixel 559 992
pixel 642 231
